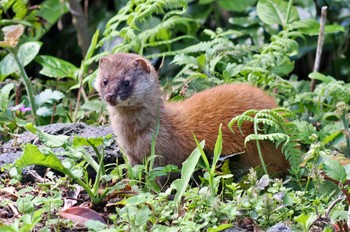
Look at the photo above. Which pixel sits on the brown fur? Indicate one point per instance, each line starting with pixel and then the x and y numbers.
pixel 134 119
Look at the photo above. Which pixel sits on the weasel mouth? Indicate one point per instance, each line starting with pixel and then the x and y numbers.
pixel 111 101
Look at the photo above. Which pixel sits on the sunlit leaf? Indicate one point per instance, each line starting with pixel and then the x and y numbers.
pixel 55 67
pixel 334 170
pixel 27 52
pixel 275 12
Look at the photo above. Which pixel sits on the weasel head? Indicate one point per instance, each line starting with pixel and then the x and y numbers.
pixel 126 80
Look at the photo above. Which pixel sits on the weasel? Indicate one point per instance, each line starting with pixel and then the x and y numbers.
pixel 129 84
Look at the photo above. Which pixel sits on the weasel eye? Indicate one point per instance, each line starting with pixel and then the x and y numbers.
pixel 126 83
pixel 105 81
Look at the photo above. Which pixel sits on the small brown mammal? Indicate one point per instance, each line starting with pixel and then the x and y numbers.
pixel 130 86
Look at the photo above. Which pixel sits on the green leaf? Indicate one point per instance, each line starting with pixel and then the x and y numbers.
pixel 48 96
pixel 217 149
pixel 334 170
pixel 94 105
pixel 55 67
pixel 48 139
pixel 236 5
pixel 321 77
pixel 306 220
pixel 187 170
pixel 26 53
pixel 284 66
pixel 4 96
pixel 202 60
pixel 20 8
pixel 312 28
pixel 331 137
pixel 275 12
pixel 33 156
pixel 81 141
pixel 92 46
pixel 44 111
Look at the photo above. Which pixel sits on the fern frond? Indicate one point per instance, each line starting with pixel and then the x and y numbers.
pixel 166 42
pixel 156 32
pixel 271 115
pixel 239 120
pixel 272 137
pixel 293 153
pixel 266 122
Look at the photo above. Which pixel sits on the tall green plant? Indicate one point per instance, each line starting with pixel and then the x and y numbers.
pixel 19 56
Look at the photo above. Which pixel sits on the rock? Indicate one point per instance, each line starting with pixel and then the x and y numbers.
pixel 280 227
pixel 12 150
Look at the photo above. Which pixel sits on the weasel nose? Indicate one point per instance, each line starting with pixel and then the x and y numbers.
pixel 110 97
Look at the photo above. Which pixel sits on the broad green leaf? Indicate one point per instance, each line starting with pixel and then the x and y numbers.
pixel 55 67
pixel 236 5
pixel 334 170
pixel 4 96
pixel 94 105
pixel 52 140
pixel 33 156
pixel 47 139
pixel 26 53
pixel 275 12
pixel 321 77
pixel 284 66
pixel 187 170
pixel 48 96
pixel 44 111
pixel 30 127
pixel 306 220
pixel 81 141
pixel 314 29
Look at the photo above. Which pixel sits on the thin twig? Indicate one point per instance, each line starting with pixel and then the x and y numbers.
pixel 319 46
pixel 334 203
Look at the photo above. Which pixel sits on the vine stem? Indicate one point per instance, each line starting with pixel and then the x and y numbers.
pixel 26 84
pixel 319 46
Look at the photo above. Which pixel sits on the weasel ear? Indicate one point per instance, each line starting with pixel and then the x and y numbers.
pixel 103 61
pixel 140 62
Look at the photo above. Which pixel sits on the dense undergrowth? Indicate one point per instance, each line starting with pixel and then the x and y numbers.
pixel 196 45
